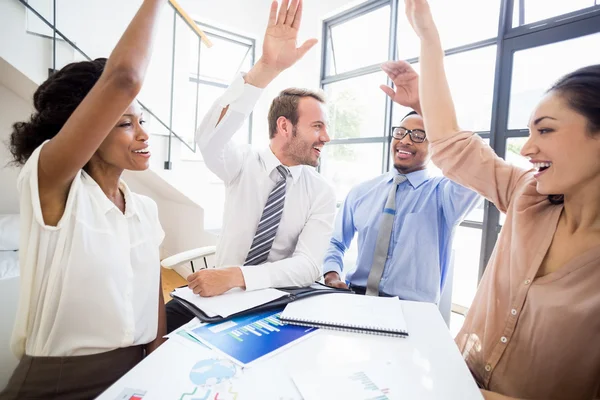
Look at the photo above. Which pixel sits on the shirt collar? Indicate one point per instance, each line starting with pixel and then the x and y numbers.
pixel 271 162
pixel 415 179
pixel 104 202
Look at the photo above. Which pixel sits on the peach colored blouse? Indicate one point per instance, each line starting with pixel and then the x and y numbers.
pixel 526 337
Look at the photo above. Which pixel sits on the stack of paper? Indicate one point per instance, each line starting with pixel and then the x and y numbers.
pixel 230 302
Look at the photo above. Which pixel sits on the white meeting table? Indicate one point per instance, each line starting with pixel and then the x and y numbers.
pixel 425 365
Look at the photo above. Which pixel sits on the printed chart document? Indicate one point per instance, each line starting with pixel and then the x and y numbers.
pixel 179 370
pixel 359 382
pixel 248 338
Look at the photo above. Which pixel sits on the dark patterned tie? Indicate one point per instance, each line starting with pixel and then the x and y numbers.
pixel 269 222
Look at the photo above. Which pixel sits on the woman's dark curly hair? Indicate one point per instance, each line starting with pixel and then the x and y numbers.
pixel 581 90
pixel 54 102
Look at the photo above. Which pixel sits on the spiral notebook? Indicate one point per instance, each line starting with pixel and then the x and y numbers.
pixel 347 312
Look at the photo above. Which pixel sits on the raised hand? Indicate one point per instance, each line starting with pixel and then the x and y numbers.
pixel 406 81
pixel 280 50
pixel 420 18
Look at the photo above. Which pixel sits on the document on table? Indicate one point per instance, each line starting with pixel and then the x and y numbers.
pixel 374 381
pixel 248 338
pixel 231 302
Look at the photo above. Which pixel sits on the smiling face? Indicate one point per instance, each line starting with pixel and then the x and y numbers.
pixel 409 156
pixel 561 147
pixel 126 146
pixel 309 135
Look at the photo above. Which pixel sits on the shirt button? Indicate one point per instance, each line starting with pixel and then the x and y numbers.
pixel 513 311
pixel 527 281
pixel 488 367
pixel 503 339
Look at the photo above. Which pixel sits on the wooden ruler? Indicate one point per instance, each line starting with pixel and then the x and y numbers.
pixel 191 22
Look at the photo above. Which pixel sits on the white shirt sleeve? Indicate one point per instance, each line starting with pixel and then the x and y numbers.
pixel 221 156
pixel 304 267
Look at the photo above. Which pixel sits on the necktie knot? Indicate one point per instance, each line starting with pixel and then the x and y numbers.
pixel 283 171
pixel 398 179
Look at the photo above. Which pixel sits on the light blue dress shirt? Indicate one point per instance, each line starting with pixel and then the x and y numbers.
pixel 427 211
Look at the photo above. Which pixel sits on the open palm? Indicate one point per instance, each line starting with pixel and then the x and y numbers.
pixel 279 48
pixel 406 82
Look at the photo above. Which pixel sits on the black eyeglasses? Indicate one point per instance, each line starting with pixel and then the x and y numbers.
pixel 416 135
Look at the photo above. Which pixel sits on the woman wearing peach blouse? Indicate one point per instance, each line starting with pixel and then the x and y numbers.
pixel 533 329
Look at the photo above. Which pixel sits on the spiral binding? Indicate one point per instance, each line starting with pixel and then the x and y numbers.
pixel 347 328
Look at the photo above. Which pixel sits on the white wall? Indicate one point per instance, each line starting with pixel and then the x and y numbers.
pixel 34 62
pixel 15 105
pixel 11 106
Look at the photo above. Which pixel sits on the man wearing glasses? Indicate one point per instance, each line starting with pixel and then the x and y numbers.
pixel 405 218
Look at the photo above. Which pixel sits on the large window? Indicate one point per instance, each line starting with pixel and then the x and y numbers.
pixel 496 81
pixel 211 71
pixel 529 11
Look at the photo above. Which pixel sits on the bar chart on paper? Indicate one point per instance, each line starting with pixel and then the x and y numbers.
pixel 248 338
pixel 265 326
pixel 366 384
pixel 351 384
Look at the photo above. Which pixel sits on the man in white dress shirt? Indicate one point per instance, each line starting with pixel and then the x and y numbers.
pixel 279 211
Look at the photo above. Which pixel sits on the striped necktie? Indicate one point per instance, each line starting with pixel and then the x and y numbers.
pixel 383 239
pixel 269 222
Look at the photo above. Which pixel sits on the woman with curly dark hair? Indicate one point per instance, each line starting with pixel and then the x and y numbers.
pixel 88 304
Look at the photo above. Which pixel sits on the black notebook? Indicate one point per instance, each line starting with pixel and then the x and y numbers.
pixel 252 301
pixel 355 313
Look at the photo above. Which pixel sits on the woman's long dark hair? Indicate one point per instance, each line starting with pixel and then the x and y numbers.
pixel 581 90
pixel 54 102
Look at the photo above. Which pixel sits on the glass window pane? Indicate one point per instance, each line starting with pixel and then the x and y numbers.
pixel 357 107
pixel 471 79
pixel 466 247
pixel 184 111
pixel 533 74
pixel 359 42
pixel 346 165
pixel 537 10
pixel 513 152
pixel 222 61
pixel 398 111
pixel 456 23
pixel 193 55
pixel 516 14
pixel 513 156
pixel 476 214
pixel 207 94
